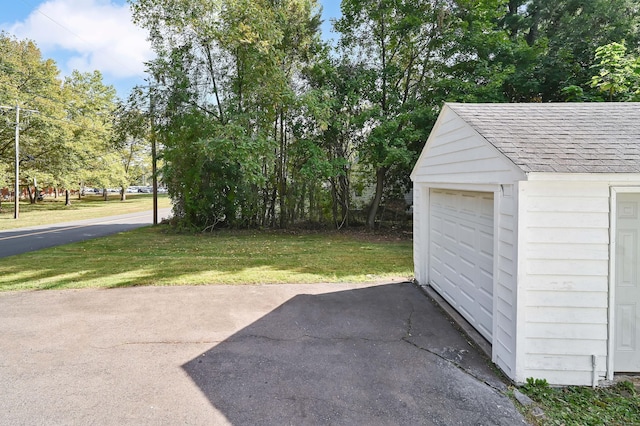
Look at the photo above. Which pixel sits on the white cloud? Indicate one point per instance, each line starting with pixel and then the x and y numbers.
pixel 96 35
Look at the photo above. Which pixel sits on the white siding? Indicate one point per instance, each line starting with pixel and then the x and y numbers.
pixel 504 340
pixel 456 153
pixel 421 233
pixel 563 280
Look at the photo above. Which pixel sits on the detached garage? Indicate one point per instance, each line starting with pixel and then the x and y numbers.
pixel 527 222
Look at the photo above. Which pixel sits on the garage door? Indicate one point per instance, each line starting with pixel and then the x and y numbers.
pixel 461 253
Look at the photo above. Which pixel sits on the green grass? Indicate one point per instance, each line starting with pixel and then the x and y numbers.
pixel 52 211
pixel 618 405
pixel 155 256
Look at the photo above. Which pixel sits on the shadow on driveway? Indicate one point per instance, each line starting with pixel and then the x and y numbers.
pixel 376 355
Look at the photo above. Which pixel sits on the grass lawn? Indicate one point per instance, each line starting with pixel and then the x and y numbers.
pixel 156 256
pixel 52 211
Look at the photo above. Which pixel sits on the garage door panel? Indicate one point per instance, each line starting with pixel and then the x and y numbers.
pixel 461 247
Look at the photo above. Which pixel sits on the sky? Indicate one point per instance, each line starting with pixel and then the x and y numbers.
pixel 88 35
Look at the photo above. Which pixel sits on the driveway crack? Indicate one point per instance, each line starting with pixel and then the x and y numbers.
pixel 459 366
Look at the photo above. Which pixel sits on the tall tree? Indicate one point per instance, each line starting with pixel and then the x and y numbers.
pixel 131 142
pixel 233 63
pixel 402 42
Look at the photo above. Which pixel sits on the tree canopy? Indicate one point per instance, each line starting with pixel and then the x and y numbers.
pixel 66 132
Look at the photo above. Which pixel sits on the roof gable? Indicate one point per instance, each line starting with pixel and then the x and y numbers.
pixel 456 153
pixel 561 137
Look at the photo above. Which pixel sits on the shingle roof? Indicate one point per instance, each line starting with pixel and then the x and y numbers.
pixel 561 137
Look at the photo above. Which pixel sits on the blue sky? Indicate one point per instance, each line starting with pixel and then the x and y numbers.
pixel 94 34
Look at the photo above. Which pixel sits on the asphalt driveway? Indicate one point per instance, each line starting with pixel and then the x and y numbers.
pixel 244 355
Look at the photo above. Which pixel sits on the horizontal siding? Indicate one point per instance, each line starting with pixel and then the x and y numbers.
pixel 579 348
pixel 455 153
pixel 573 315
pixel 564 279
pixel 568 267
pixel 555 283
pixel 569 299
pixel 543 251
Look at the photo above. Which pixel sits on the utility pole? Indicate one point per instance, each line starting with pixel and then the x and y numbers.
pixel 16 190
pixel 16 196
pixel 154 166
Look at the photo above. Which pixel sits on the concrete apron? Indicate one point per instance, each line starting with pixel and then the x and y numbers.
pixel 242 355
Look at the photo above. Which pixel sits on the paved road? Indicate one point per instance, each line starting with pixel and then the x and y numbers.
pixel 17 241
pixel 316 354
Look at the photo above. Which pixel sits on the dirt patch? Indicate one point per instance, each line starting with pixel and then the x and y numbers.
pixel 633 378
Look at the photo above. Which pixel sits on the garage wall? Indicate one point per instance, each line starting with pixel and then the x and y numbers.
pixel 505 276
pixel 563 265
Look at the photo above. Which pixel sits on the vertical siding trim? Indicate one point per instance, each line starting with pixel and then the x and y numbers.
pixel 520 341
pixel 421 233
pixel 497 211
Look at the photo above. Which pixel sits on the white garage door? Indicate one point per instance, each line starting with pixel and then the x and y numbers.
pixel 461 253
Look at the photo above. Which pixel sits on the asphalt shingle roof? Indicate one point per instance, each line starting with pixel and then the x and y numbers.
pixel 561 137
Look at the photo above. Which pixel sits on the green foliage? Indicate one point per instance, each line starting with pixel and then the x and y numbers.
pixel 618 73
pixel 554 42
pixel 66 141
pixel 538 389
pixel 210 170
pixel 294 126
pixel 575 405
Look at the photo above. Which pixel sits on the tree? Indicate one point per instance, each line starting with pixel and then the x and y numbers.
pixel 618 73
pixel 230 66
pixel 32 83
pixel 554 41
pixel 131 141
pixel 396 40
pixel 89 153
pixel 64 142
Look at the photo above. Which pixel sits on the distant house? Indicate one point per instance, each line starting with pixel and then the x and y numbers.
pixel 527 221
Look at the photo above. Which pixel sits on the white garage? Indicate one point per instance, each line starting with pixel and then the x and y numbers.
pixel 525 221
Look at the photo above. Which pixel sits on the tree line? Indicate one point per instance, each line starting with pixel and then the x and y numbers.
pixel 262 122
pixel 76 133
pixel 265 123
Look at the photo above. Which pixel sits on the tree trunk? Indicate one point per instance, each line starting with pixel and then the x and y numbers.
pixel 344 199
pixel 123 194
pixel 105 194
pixel 373 210
pixel 30 193
pixel 334 203
pixel 67 198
